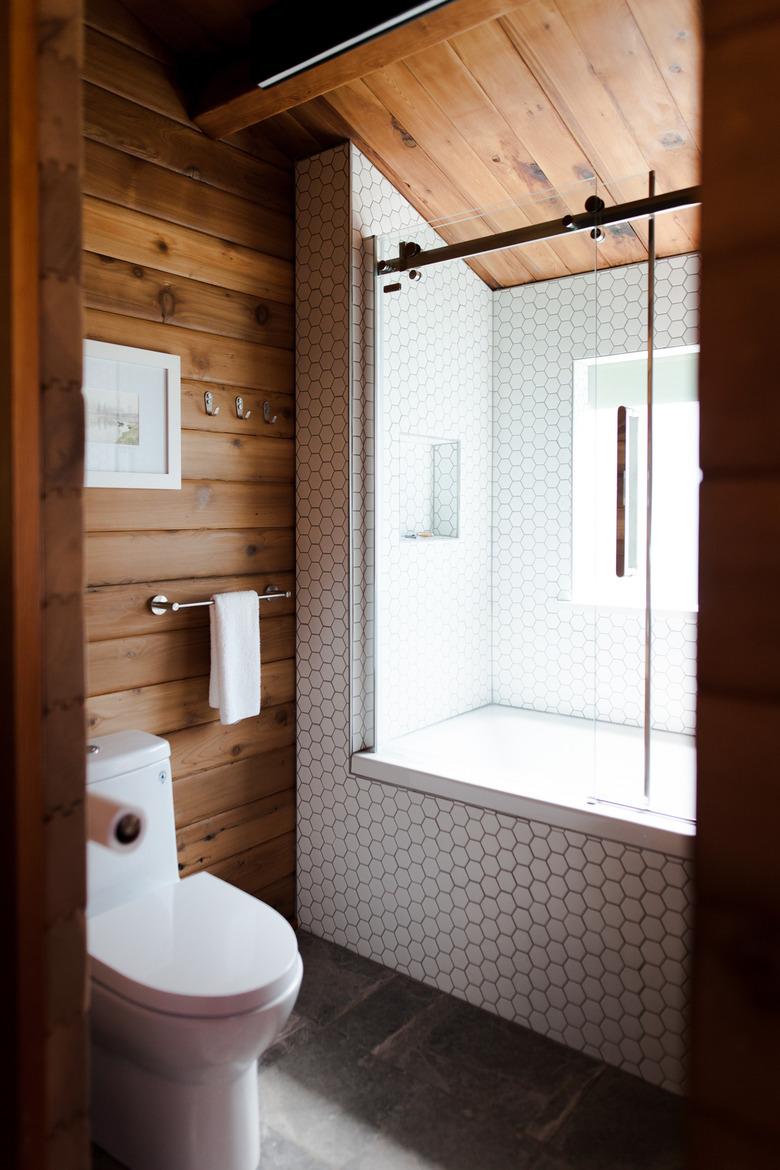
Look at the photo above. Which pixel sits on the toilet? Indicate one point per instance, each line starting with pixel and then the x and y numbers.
pixel 191 980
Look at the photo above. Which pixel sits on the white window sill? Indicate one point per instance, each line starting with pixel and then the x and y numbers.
pixel 584 601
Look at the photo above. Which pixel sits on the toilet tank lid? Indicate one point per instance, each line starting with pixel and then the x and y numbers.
pixel 123 751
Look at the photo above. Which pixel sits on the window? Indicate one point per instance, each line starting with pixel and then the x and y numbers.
pixel 611 393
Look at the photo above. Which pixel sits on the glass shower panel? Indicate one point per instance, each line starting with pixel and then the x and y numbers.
pixel 610 473
pixel 544 629
pixel 674 578
pixel 434 506
pixel 642 575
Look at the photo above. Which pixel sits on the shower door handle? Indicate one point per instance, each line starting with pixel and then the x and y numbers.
pixel 626 498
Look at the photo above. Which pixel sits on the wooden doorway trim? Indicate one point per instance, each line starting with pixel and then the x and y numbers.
pixel 21 825
pixel 735 1122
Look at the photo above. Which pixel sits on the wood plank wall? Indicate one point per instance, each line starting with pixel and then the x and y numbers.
pixel 736 1022
pixel 188 249
pixel 62 450
pixel 23 975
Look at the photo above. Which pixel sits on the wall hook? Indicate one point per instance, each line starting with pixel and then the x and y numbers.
pixel 240 409
pixel 267 416
pixel 208 399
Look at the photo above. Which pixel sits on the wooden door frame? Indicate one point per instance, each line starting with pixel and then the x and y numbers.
pixel 22 855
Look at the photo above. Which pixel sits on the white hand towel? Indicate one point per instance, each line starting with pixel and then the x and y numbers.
pixel 234 686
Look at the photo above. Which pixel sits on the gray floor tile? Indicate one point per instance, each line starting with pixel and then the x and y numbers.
pixel 333 979
pixel 278 1153
pixel 296 1031
pixel 548 1161
pixel 478 1058
pixel 622 1123
pixel 320 1096
pixel 374 1022
pixel 377 1072
pixel 430 1130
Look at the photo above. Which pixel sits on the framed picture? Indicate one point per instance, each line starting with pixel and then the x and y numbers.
pixel 133 417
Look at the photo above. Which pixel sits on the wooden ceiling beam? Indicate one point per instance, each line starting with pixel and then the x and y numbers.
pixel 232 100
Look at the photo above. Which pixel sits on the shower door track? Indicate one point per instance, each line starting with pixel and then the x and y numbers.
pixel 411 257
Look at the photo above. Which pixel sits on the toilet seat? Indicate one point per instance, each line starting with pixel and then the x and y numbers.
pixel 196 947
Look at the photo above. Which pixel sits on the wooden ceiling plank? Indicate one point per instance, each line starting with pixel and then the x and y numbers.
pixel 493 61
pixel 323 122
pixel 449 83
pixel 122 69
pixel 182 28
pixel 292 136
pixel 115 20
pixel 524 135
pixel 627 67
pixel 220 112
pixel 492 57
pixel 422 181
pixel 288 135
pixel 125 71
pixel 548 46
pixel 671 29
pixel 409 104
pixel 256 140
pixel 611 39
pixel 477 264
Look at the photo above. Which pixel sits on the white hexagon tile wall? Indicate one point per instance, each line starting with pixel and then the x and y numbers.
pixel 540 331
pixel 580 938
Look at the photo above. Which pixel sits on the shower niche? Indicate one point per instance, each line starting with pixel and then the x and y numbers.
pixel 429 487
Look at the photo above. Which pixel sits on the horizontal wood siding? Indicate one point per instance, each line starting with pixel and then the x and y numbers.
pixel 188 246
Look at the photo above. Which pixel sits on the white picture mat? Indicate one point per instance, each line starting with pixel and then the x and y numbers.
pixel 141 446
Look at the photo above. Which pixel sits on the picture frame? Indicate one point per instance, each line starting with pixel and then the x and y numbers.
pixel 132 407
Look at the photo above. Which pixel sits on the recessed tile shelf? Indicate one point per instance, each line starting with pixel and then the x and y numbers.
pixel 430 488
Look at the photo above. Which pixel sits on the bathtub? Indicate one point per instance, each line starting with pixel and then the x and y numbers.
pixel 560 770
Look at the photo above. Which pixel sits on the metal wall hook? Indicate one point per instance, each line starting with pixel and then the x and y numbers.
pixel 267 416
pixel 208 400
pixel 240 409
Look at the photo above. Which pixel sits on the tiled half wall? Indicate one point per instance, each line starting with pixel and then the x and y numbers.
pixel 580 938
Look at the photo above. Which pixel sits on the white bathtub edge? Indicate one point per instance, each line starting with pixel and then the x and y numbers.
pixel 627 826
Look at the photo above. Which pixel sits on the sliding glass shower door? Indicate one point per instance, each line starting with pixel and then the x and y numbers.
pixel 636 482
pixel 536 512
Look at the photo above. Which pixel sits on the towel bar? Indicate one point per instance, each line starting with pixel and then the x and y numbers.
pixel 159 604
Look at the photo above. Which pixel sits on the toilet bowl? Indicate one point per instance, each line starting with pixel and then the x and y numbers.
pixel 191 981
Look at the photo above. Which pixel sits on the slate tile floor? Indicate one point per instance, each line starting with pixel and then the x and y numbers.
pixel 377 1072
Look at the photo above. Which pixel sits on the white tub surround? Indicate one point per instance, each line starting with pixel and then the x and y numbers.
pixel 535 766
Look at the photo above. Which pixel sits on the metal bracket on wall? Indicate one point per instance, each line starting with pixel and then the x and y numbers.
pixel 267 416
pixel 208 401
pixel 406 252
pixel 240 412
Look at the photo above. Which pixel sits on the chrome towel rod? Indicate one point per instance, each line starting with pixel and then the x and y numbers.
pixel 159 604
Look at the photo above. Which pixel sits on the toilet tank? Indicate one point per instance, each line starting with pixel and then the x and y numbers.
pixel 132 767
